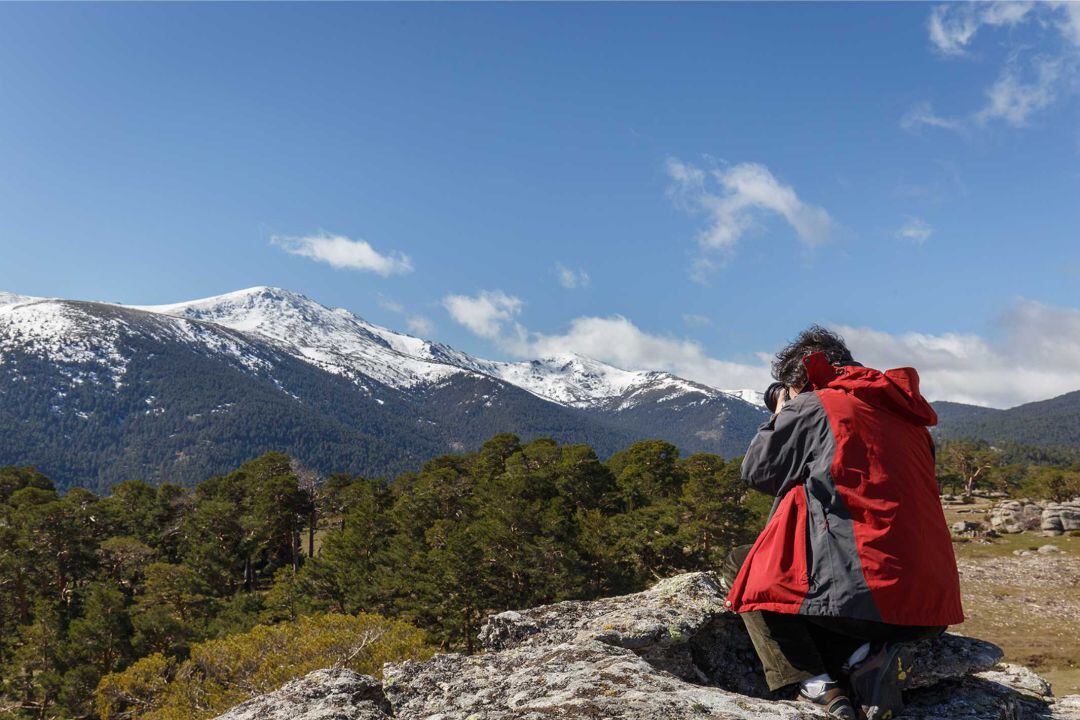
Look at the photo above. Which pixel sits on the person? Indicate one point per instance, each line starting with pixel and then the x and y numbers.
pixel 856 557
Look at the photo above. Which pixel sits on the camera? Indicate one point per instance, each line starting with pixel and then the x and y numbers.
pixel 772 394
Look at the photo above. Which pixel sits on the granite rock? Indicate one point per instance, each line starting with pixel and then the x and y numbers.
pixel 672 652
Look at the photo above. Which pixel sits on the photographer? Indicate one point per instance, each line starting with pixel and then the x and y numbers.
pixel 856 555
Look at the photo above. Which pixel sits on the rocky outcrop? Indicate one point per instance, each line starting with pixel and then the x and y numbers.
pixel 670 652
pixel 1008 692
pixel 1015 516
pixel 966 528
pixel 331 694
pixel 680 625
pixel 1061 517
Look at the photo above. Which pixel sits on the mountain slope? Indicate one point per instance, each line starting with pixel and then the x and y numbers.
pixel 633 403
pixel 340 342
pixel 93 393
pixel 1046 423
pixel 335 340
pixel 954 414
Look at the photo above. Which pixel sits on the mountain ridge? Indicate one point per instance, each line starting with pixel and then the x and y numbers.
pixel 94 393
pixel 1054 422
pixel 567 378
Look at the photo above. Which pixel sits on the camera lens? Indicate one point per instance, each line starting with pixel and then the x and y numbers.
pixel 772 393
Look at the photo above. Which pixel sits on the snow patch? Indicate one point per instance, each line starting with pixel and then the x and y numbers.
pixel 89 345
pixel 754 397
pixel 332 339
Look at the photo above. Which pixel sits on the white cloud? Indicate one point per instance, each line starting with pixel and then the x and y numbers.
pixel 1036 355
pixel 1029 81
pixel 696 320
pixel 417 323
pixel 615 339
pixel 390 304
pixel 340 252
pixel 741 193
pixel 952 27
pixel 420 325
pixel 571 279
pixel 951 33
pixel 618 341
pixel 1012 100
pixel 914 230
pixel 1070 23
pixel 923 115
pixel 487 314
pixel 702 268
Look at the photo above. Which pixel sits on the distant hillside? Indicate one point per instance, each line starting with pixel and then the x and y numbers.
pixel 950 413
pixel 1046 423
pixel 95 393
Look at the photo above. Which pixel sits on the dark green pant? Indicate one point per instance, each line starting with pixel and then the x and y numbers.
pixel 793 648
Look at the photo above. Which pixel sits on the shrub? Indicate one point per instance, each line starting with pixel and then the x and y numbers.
pixel 225 672
pixel 1051 483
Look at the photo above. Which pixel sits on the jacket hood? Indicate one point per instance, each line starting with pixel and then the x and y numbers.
pixel 895 390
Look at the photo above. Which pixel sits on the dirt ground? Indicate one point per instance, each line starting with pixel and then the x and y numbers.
pixel 1029 604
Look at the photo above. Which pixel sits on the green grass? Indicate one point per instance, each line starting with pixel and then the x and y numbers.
pixel 1034 617
pixel 1006 544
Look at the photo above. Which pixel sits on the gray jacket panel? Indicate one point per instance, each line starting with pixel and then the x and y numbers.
pixel 794 451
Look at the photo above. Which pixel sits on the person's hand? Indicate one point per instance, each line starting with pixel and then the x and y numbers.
pixel 781 398
pixel 786 394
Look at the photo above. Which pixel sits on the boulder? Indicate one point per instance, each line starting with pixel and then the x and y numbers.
pixel 586 680
pixel 1061 517
pixel 1066 708
pixel 1015 516
pixel 1070 515
pixel 966 527
pixel 680 625
pixel 330 694
pixel 671 652
pixel 1008 692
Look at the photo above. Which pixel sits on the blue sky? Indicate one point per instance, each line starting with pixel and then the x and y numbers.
pixel 676 186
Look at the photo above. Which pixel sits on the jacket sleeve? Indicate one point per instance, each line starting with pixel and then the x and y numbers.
pixel 779 453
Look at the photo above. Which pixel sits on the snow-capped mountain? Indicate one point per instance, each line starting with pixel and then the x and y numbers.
pixel 754 397
pixel 340 342
pixel 334 340
pixel 76 334
pixel 97 392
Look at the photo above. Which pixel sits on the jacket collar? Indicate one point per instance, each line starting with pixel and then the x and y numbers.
pixel 819 372
pixel 895 390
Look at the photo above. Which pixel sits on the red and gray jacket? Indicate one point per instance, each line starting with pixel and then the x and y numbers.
pixel 857 529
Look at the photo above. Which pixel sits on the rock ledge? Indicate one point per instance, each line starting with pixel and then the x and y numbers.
pixel 670 652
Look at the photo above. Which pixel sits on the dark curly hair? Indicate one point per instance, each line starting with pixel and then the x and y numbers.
pixel 788 368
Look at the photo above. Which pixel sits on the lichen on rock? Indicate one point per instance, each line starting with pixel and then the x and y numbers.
pixel 329 694
pixel 671 652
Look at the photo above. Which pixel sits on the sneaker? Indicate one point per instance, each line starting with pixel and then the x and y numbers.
pixel 878 681
pixel 833 700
